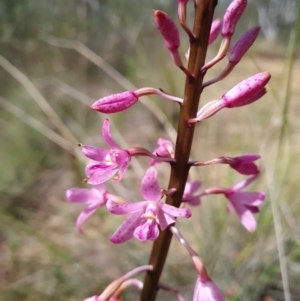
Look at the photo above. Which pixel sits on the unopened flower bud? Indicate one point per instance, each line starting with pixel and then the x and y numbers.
pixel 245 164
pixel 246 90
pixel 168 29
pixel 244 93
pixel 253 98
pixel 207 291
pixel 243 44
pixel 232 16
pixel 214 30
pixel 121 101
pixel 182 9
pixel 115 102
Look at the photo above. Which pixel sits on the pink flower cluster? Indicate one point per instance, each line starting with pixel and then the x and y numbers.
pixel 148 217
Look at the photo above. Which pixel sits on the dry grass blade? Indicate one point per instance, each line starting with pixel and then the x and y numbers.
pixel 39 99
pixel 114 74
pixel 39 126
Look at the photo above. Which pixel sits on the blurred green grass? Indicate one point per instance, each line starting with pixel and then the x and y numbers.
pixel 42 255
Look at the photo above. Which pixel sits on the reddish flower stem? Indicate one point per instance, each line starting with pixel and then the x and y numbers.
pixel 204 11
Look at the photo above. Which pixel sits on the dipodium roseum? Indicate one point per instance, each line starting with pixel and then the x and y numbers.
pixel 93 198
pixel 107 161
pixel 145 216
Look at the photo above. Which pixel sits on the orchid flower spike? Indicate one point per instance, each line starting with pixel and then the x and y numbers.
pixel 145 216
pixel 244 93
pixel 93 198
pixel 244 203
pixel 165 149
pixel 121 101
pixel 108 162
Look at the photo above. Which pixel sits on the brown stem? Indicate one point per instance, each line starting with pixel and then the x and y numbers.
pixel 204 11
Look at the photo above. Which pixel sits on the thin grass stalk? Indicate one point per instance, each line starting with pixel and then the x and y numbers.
pixel 283 132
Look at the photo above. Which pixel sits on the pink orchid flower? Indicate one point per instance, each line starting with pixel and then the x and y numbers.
pixel 108 161
pixel 165 149
pixel 93 198
pixel 244 203
pixel 189 195
pixel 145 216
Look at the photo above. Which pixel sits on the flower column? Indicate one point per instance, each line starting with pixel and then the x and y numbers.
pixel 204 11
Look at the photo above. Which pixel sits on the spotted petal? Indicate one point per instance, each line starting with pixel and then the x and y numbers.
pixel 98 173
pixel 176 212
pixel 95 153
pixel 147 230
pixel 150 189
pixel 120 209
pixel 126 229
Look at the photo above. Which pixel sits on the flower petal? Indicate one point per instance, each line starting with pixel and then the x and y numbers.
pixel 106 134
pixel 164 220
pixel 194 186
pixel 120 209
pixel 241 185
pixel 84 215
pixel 122 170
pixel 98 173
pixel 125 231
pixel 95 153
pixel 82 195
pixel 150 189
pixel 147 230
pixel 245 215
pixel 176 212
pixel 250 198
